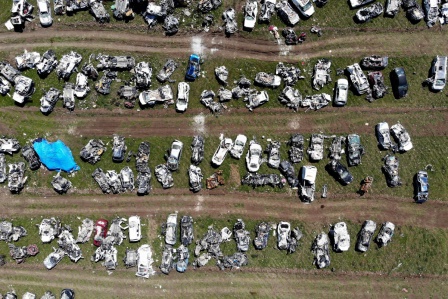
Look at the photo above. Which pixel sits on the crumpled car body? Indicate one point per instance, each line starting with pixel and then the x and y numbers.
pixel 287 169
pixel 116 231
pixel 283 234
pixel 100 177
pixel 287 13
pixel 392 8
pixel 16 177
pixel 67 65
pixel 154 13
pixel 262 231
pixel 369 12
pixel 144 182
pixel 339 172
pixel 122 9
pixel 68 96
pixel 23 89
pixel 144 262
pixel 9 233
pixel 72 6
pixel 377 86
pixel 174 155
pixel 207 99
pixel 337 148
pixel 129 93
pixel 3 174
pixel 205 6
pixel 31 157
pixel 238 146
pixel 85 231
pixel 182 259
pixel 341 237
pixel 104 84
pixel 402 137
pixel 222 74
pixel 197 149
pixel 421 187
pixel 254 156
pixel 49 100
pixel 5 87
pixel 382 133
pixel 443 14
pixel 221 152
pixel 390 169
pixel 209 242
pixel 358 79
pixel 8 71
pixel 321 73
pixel 250 14
pixel 354 150
pixel 127 178
pixel 256 99
pixel 115 63
pixel 374 62
pixel 268 80
pixel 49 228
pixel 171 229
pixel 241 235
pixel 114 182
pixel 66 242
pixel 183 95
pixel 260 180
pixel 60 184
pixel 142 158
pixel 365 235
pixel 99 12
pixel 385 234
pixel 118 149
pixel 130 258
pixel 357 3
pixel 195 178
pixel 164 176
pixel 266 11
pixel 316 149
pixel 142 75
pixel 291 98
pixel 47 63
pixel 92 151
pixel 296 148
pixel 316 101
pixel 167 260
pixel 307 183
pixel 290 36
pixel 171 25
pixel 320 249
pixel 9 145
pixel 81 86
pixel 28 60
pixel 186 230
pixel 431 8
pixel 273 151
pixel 237 260
pixel 229 18
pixel 414 12
pixel 163 94
pixel 54 258
pixel 168 69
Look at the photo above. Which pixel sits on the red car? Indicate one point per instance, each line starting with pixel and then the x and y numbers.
pixel 100 231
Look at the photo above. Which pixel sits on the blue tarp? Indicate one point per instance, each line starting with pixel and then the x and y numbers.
pixel 55 155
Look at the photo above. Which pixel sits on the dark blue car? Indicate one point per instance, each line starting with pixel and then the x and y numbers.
pixel 193 67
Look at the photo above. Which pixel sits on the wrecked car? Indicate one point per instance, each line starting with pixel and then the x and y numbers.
pixel 16 179
pixel 100 177
pixel 144 263
pixel 75 5
pixel 31 157
pixel 122 9
pixel 100 231
pixel 168 69
pixel 171 229
pixel 316 149
pixel 273 151
pixel 354 150
pixel 444 14
pixel 365 235
pixel 392 8
pixel 316 101
pixel 89 70
pixel 266 11
pixel 207 99
pixel 215 180
pixel 142 75
pixel 118 149
pixel 288 171
pixel 385 234
pixel 5 87
pixel 224 95
pixel 49 228
pixel 54 258
pixel 229 18
pixel 8 71
pixel 286 13
pixel 174 155
pixel 93 151
pixel 296 148
pixel 81 86
pixel 341 237
pixel 9 233
pixel 357 3
pixel 290 36
pixel 291 97
pixel 260 180
pixel 167 260
pixel 129 94
pixel 421 187
pixel 28 60
pixel 377 86
pixel 99 12
pixel 241 235
pixel 23 89
pixel 9 145
pixel 337 147
pixel 183 92
pixel 339 172
pixel 113 180
pixel 49 100
pixel 267 80
pixel 197 149
pixel 414 12
pixel 193 68
pixel 144 182
pixel 320 249
pixel 67 65
pixel 358 79
pixel 182 259
pixel 68 96
pixel 85 231
pixel 163 94
pixel 154 13
pixel 238 146
pixel 44 13
pixel 67 243
pixel 164 176
pixel 135 232
pixel 256 99
pixel 3 175
pixel 221 152
pixel 130 258
pixel 321 73
pixel 254 156
pixel 402 137
pixel 116 63
pixel 262 231
pixel 60 184
pixel 205 6
pixel 250 14
pixel 103 85
pixel 399 82
pixel 307 183
pixel 127 178
pixel 186 230
pixel 341 92
pixel 115 233
pixel 195 178
pixel 283 235
pixel 431 8
pixel 390 170
pixel 222 74
pixel 382 133
pixel 142 157
pixel 289 73
pixel 437 78
pixel 374 62
pixel 209 242
pixel 237 260
pixel 369 12
pixel 171 25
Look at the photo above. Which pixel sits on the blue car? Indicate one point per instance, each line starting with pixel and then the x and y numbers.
pixel 193 67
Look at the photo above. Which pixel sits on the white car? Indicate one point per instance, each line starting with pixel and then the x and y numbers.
pixel 174 155
pixel 383 135
pixel 307 181
pixel 183 91
pixel 401 137
pixel 144 262
pixel 283 233
pixel 81 87
pixel 135 232
pixel 171 229
pixel 238 146
pixel 253 157
pixel 341 237
pixel 44 13
pixel 341 92
pixel 385 234
pixel 365 235
pixel 221 152
pixel 250 14
pixel 305 7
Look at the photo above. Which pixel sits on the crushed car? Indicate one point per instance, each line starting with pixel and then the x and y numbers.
pixel 290 36
pixel 365 235
pixel 72 6
pixel 267 80
pixel 385 234
pixel 260 180
pixel 182 259
pixel 100 177
pixel 115 63
pixel 241 235
pixel 16 177
pixel 67 65
pixel 135 231
pixel 354 150
pixel 93 151
pixel 273 151
pixel 170 25
pixel 114 182
pixel 68 96
pixel 254 156
pixel 49 100
pixel 129 93
pixel 100 231
pixel 167 263
pixel 295 151
pixel 316 148
pixel 358 79
pixel 402 137
pixel 144 262
pixel 255 99
pixel 207 99
pixel 238 146
pixel 205 6
pixel 169 229
pixel 60 184
pixel 237 260
pixel 118 148
pixel 142 157
pixel 320 249
pixel 431 8
pixel 5 86
pixel 49 228
pixel 164 176
pixel 142 74
pixel 224 95
pixel 104 84
pixel 183 93
pixel 382 133
pixel 195 178
pixel 287 170
pixel 283 235
pixel 99 12
pixel 167 70
pixel 377 87
pixel 116 231
pixel 437 77
pixel 321 73
pixel 144 182
pixel 220 154
pixel 81 86
pixel 31 157
pixel 66 241
pixel 85 231
pixel 9 233
pixel 54 258
pixel 369 12
pixel 289 73
pixel 28 60
pixel 390 170
pixel 250 14
pixel 392 8
pixel 197 149
pixel 341 237
pixel 9 145
pixel 186 230
pixel 127 178
pixel 3 174
pixel 262 231
pixel 307 183
pixel 215 180
pixel 130 258
pixel 163 95
pixel 374 62
pixel 222 74
pixel 210 242
pixel 414 12
pixel 122 10
pixel 286 13
pixel 266 11
pixel 291 98
pixel 20 253
pixel 316 101
pixel 421 187
pixel 229 18
pixel 337 148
